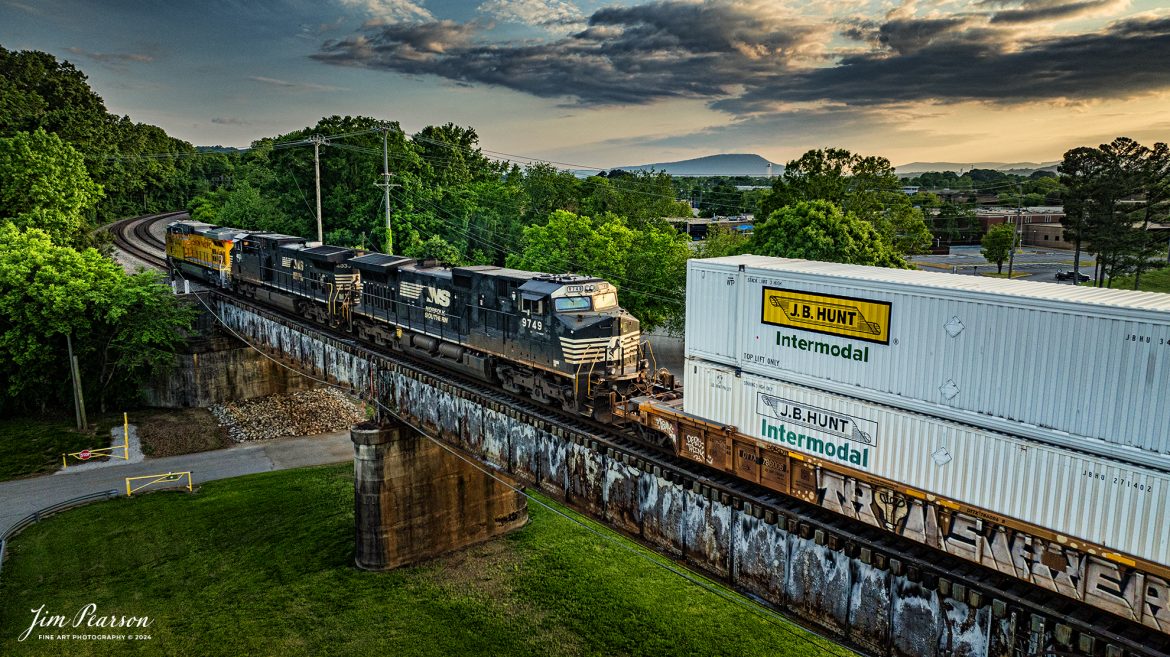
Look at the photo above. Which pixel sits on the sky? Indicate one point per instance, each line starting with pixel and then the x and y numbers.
pixel 604 84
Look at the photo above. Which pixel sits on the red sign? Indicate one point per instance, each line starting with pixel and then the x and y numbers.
pixel 84 455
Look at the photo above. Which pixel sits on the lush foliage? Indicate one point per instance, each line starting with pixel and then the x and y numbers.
pixel 44 184
pixel 123 327
pixel 865 187
pixel 139 166
pixel 451 202
pixel 721 241
pixel 819 230
pixel 263 565
pixel 648 265
pixel 1115 192
pixel 997 244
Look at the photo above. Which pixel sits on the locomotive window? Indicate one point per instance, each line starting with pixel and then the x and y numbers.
pixel 572 304
pixel 534 307
pixel 605 300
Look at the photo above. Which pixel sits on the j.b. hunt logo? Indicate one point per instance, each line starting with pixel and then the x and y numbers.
pixel 845 438
pixel 863 319
pixel 841 425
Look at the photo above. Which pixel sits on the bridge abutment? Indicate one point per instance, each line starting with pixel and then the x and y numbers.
pixel 415 500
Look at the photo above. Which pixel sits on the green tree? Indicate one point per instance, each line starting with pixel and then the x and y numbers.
pixel 438 248
pixel 38 92
pixel 245 206
pixel 44 184
pixel 549 189
pixel 819 230
pixel 1114 192
pixel 722 241
pixel 648 266
pixel 1079 174
pixel 124 327
pixel 997 244
pixel 864 186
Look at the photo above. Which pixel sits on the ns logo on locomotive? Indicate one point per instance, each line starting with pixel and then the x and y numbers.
pixel 556 338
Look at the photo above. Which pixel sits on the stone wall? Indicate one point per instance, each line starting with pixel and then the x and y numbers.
pixel 415 500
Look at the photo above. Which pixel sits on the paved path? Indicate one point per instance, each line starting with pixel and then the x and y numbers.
pixel 24 496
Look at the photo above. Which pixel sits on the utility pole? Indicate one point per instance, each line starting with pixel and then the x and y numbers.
pixel 78 399
pixel 385 185
pixel 1015 229
pixel 317 140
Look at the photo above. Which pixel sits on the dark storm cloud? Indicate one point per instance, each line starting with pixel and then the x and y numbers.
pixel 1033 11
pixel 746 59
pixel 630 55
pixel 1125 59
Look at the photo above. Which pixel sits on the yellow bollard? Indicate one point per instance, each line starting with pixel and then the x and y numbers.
pixel 126 436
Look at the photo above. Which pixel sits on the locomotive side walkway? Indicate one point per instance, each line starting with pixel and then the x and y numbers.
pixel 24 496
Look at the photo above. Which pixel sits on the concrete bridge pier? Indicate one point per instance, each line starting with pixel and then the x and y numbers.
pixel 415 500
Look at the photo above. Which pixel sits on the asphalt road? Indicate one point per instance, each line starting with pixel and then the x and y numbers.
pixel 1039 264
pixel 25 496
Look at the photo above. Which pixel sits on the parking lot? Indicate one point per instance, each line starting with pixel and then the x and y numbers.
pixel 1038 264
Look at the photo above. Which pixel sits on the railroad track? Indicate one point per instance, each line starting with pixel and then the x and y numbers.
pixel 133 237
pixel 914 560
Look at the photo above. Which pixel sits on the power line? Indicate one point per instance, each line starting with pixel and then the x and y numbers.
pixel 767 615
pixel 629 285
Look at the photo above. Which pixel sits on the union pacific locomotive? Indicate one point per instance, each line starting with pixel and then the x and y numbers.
pixel 557 338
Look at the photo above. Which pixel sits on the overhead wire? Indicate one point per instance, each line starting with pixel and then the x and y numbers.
pixel 653 293
pixel 767 615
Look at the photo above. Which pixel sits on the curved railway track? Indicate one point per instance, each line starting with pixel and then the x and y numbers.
pixel 134 238
pixel 914 560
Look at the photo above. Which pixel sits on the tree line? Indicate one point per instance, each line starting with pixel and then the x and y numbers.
pixel 65 169
pixel 67 166
pixel 1116 193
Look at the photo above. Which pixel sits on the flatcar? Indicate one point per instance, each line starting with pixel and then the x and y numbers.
pixel 560 339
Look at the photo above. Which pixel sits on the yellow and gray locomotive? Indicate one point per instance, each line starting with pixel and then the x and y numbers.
pixel 556 338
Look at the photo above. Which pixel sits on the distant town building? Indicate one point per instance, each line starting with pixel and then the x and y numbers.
pixel 1038 225
pixel 696 228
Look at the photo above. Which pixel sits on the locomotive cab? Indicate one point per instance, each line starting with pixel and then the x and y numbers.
pixel 597 337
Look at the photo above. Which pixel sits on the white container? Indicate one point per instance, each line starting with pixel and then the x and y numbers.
pixel 1079 367
pixel 1088 497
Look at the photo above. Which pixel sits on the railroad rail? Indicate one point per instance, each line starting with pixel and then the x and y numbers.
pixel 903 556
pixel 133 237
pixel 937 570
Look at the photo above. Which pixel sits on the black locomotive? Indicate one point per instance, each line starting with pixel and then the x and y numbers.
pixel 557 338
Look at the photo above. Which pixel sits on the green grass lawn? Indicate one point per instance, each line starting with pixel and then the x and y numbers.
pixel 261 565
pixel 34 446
pixel 1157 280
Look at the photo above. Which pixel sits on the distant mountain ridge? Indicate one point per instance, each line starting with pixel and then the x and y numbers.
pixel 732 164
pixel 1021 168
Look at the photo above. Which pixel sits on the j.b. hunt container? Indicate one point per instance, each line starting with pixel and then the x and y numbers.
pixel 1095 499
pixel 1080 367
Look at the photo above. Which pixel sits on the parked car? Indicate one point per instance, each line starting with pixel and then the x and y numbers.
pixel 1063 275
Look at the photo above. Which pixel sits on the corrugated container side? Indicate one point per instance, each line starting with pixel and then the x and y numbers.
pixel 1096 373
pixel 712 312
pixel 1084 496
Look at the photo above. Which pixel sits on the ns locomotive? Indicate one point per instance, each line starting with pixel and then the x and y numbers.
pixel 559 339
